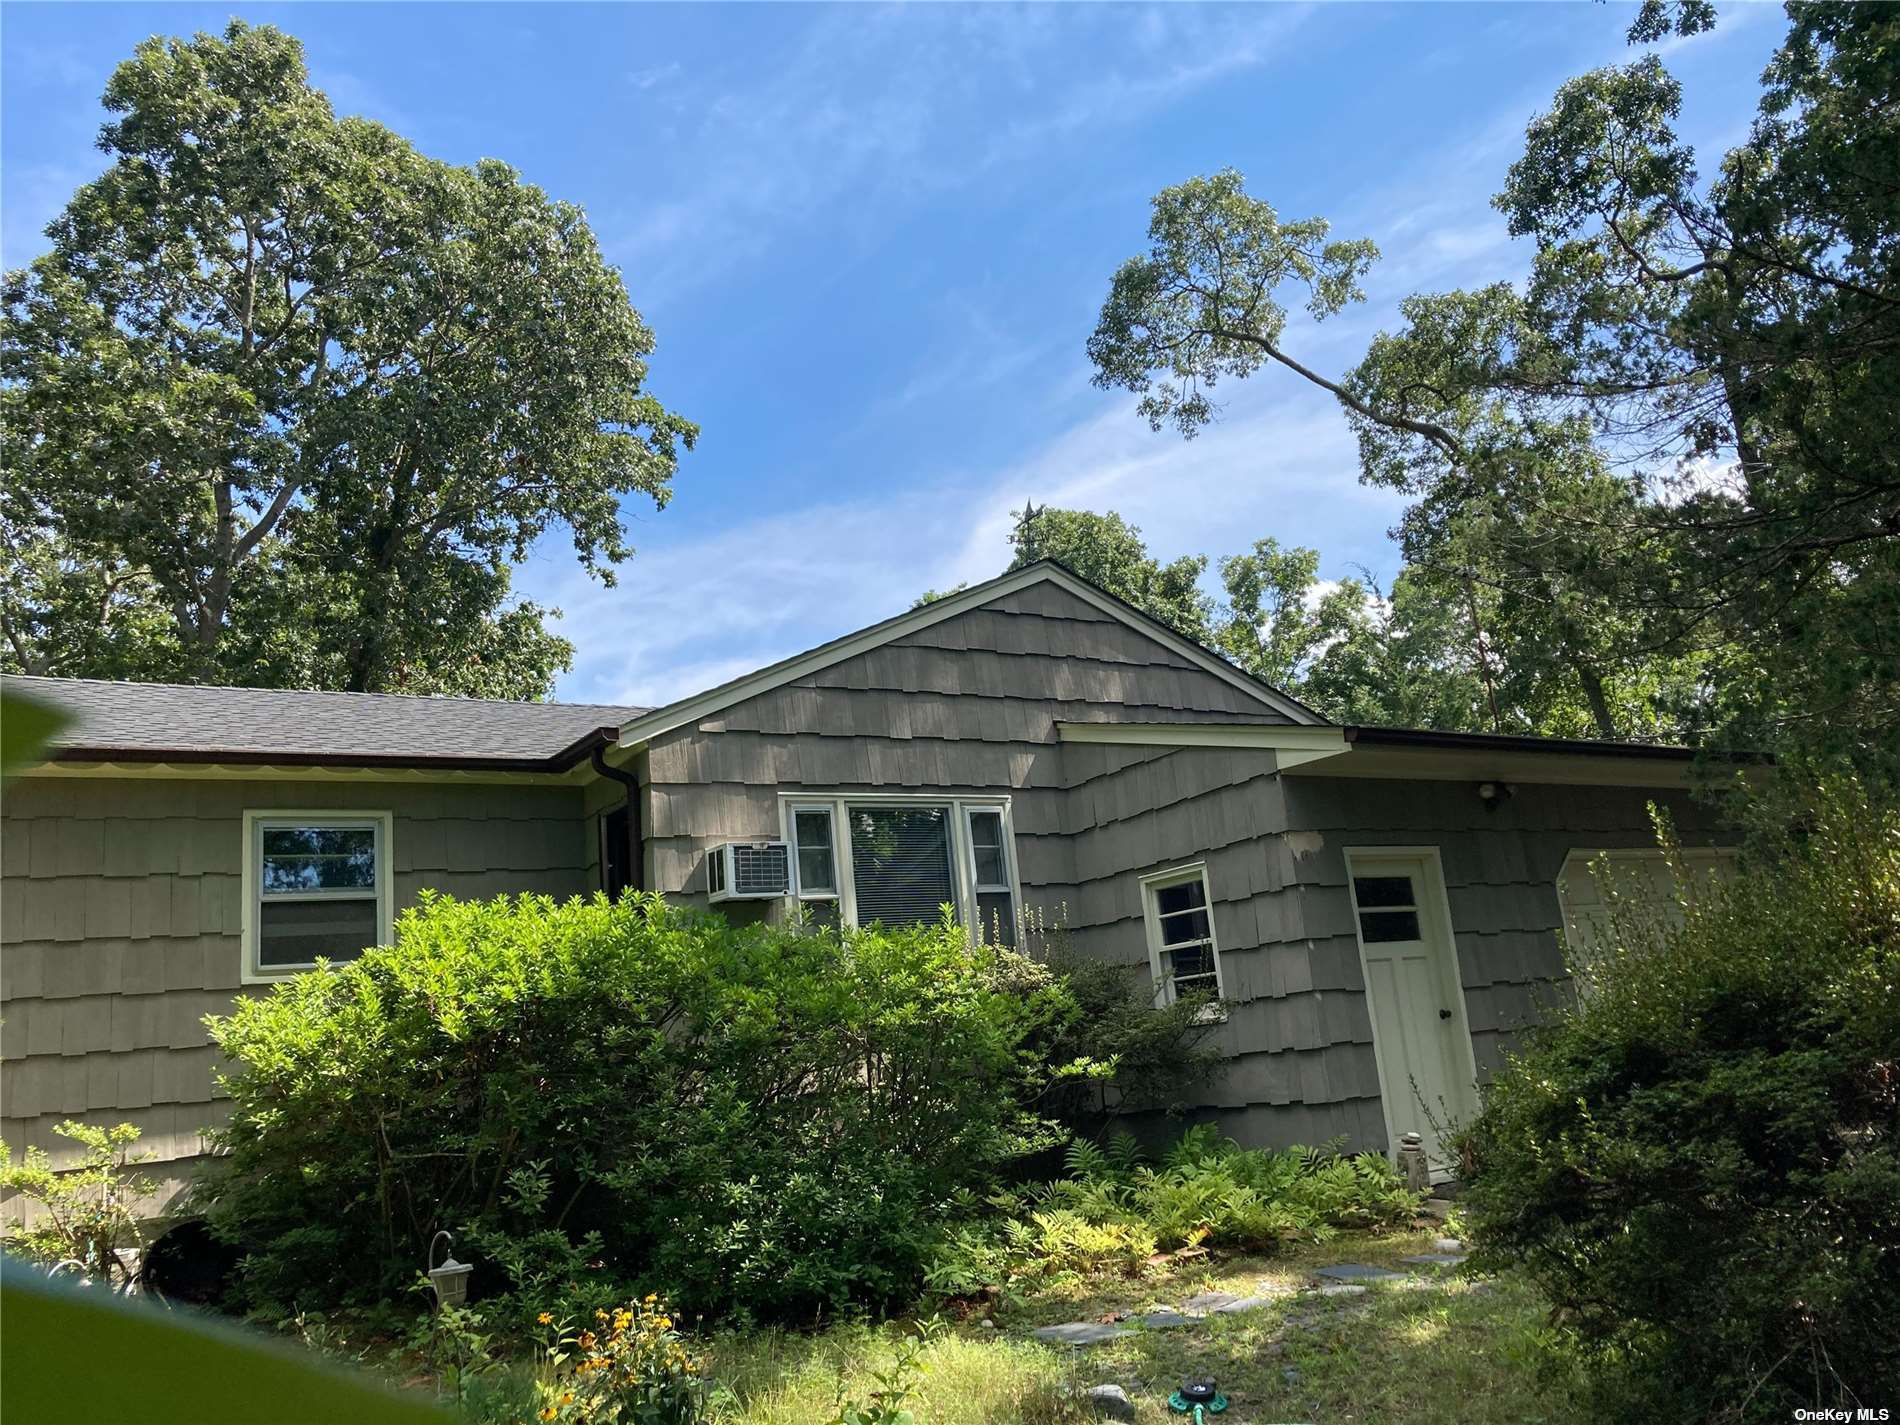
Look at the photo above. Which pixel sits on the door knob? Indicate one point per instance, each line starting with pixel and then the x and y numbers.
pixel 1444 1014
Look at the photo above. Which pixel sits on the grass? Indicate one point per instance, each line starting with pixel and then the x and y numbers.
pixel 1454 1349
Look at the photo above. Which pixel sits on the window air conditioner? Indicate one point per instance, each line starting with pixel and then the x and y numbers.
pixel 748 871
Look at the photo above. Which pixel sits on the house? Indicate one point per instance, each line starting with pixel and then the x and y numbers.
pixel 1379 909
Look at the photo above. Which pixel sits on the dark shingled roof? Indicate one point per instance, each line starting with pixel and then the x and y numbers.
pixel 141 721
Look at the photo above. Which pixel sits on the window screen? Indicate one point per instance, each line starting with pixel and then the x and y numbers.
pixel 995 905
pixel 811 830
pixel 900 863
pixel 318 895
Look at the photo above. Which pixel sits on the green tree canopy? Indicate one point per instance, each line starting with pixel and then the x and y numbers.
pixel 1661 475
pixel 287 398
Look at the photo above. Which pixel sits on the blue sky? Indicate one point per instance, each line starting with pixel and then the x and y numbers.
pixel 873 241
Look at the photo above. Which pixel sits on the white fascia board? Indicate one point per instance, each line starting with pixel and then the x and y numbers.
pixel 660 721
pixel 1291 746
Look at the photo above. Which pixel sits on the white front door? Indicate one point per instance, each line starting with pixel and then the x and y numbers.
pixel 1416 999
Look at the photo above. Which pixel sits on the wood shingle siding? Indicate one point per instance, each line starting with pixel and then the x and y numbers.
pixel 121 915
pixel 966 705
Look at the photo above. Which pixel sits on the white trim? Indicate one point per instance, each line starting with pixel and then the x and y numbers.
pixel 1291 746
pixel 790 818
pixel 1431 864
pixel 1695 858
pixel 962 858
pixel 701 705
pixel 383 824
pixel 1164 991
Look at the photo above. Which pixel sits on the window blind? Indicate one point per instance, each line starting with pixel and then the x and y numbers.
pixel 900 863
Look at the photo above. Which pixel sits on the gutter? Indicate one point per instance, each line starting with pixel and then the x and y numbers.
pixel 564 760
pixel 1511 742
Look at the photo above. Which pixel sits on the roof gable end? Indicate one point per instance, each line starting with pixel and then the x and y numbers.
pixel 678 714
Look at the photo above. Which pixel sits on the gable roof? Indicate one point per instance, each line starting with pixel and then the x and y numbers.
pixel 659 721
pixel 174 722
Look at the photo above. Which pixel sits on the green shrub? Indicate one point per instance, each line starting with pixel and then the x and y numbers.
pixel 1113 1212
pixel 1124 1053
pixel 1699 1163
pixel 598 1095
pixel 88 1213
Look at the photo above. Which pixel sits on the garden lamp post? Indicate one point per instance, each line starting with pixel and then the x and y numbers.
pixel 450 1277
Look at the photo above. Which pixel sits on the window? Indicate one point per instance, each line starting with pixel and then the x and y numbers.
pixel 1181 947
pixel 900 863
pixel 989 874
pixel 900 860
pixel 316 886
pixel 817 858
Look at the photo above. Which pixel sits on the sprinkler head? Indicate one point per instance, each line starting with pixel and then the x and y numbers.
pixel 1199 1391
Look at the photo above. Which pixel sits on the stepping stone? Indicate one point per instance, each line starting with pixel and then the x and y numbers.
pixel 1209 1301
pixel 1080 1333
pixel 1447 1244
pixel 1250 1303
pixel 1357 1272
pixel 1110 1402
pixel 1435 1259
pixel 1163 1320
pixel 1341 1289
pixel 1439 1207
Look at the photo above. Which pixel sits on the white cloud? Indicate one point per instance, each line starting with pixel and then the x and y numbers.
pixel 691 615
pixel 875 104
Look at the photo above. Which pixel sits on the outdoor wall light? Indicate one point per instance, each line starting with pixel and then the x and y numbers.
pixel 1492 794
pixel 450 1277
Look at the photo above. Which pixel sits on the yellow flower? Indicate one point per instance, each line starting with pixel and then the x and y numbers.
pixel 546 1318
pixel 568 1399
pixel 547 1412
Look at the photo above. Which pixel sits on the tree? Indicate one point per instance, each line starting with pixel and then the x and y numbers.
pixel 1662 473
pixel 1109 552
pixel 286 398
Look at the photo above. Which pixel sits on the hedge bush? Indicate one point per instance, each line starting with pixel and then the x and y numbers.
pixel 1700 1164
pixel 599 1097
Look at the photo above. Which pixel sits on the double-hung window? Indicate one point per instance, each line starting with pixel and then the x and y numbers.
pixel 900 860
pixel 316 887
pixel 1182 950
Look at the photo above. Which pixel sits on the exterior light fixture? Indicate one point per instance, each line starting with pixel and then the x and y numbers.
pixel 1492 794
pixel 450 1277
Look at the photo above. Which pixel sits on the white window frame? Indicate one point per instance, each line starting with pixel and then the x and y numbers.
pixel 962 857
pixel 836 891
pixel 1151 884
pixel 382 823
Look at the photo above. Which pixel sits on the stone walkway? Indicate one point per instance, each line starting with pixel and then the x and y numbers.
pixel 1344 1279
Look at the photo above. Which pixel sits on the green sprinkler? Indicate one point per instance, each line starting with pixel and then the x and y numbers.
pixel 1198 1397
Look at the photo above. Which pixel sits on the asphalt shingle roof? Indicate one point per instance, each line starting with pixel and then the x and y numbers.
pixel 253 723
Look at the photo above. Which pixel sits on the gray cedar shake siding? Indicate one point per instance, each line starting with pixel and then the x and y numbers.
pixel 970 706
pixel 966 705
pixel 119 926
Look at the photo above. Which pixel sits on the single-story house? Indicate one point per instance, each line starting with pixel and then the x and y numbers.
pixel 1378 909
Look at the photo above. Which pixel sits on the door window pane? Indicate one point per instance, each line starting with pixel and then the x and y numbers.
pixel 900 863
pixel 1373 892
pixel 1381 925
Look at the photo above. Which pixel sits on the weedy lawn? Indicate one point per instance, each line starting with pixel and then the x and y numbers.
pixel 1436 1347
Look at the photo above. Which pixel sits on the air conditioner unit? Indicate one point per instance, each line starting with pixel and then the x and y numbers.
pixel 748 871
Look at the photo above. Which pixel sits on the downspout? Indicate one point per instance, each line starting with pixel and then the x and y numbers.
pixel 636 872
